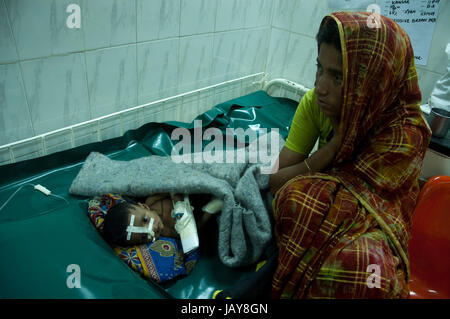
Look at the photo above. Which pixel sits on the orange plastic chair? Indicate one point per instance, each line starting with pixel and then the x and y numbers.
pixel 429 245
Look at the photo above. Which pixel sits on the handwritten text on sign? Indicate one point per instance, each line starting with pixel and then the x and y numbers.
pixel 417 18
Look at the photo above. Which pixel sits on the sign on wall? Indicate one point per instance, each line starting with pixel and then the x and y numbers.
pixel 417 18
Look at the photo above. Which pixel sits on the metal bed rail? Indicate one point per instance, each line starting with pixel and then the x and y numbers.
pixel 182 107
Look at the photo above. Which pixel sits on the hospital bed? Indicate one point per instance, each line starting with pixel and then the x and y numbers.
pixel 44 239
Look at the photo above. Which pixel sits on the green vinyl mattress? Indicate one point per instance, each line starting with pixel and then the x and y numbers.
pixel 44 240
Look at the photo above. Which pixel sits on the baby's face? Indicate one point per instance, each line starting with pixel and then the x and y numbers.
pixel 143 215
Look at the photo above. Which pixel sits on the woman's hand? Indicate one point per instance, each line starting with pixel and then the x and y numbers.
pixel 292 164
pixel 335 123
pixel 336 139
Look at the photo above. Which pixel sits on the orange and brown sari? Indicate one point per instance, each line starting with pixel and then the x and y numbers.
pixel 344 233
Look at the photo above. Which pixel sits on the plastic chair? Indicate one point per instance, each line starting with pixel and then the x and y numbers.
pixel 429 245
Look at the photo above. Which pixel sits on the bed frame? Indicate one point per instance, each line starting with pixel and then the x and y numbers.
pixel 31 213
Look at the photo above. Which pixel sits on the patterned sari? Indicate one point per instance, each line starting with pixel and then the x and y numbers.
pixel 344 233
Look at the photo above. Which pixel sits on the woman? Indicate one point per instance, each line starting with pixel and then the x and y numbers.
pixel 342 215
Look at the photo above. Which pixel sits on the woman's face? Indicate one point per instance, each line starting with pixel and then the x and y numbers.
pixel 143 214
pixel 329 80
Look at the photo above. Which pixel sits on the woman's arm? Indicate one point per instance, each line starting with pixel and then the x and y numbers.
pixel 288 167
pixel 292 164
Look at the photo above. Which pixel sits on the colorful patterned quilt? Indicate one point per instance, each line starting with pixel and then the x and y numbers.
pixel 161 260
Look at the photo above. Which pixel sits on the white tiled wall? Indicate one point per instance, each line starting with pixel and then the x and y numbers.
pixel 126 53
pixel 182 107
pixel 435 164
pixel 131 52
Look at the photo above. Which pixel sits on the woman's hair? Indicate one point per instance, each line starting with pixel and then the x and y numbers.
pixel 116 222
pixel 329 33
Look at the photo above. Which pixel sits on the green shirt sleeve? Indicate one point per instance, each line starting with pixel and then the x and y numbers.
pixel 308 124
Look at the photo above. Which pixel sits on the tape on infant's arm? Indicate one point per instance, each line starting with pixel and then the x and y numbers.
pixel 214 206
pixel 185 224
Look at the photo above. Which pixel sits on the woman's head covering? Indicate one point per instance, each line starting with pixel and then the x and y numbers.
pixel 384 132
pixel 380 79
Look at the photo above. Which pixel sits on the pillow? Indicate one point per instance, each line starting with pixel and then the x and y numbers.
pixel 161 260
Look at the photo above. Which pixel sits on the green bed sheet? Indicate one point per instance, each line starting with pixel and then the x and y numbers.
pixel 41 236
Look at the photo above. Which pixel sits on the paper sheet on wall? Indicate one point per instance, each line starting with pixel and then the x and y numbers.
pixel 417 18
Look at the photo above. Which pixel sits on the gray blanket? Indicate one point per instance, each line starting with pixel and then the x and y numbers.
pixel 244 223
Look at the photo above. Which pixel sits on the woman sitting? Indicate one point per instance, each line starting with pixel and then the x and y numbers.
pixel 343 214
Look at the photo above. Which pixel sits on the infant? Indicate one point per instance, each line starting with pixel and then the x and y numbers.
pixel 144 220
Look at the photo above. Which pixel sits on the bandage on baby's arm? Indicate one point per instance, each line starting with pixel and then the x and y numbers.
pixel 185 225
pixel 214 206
